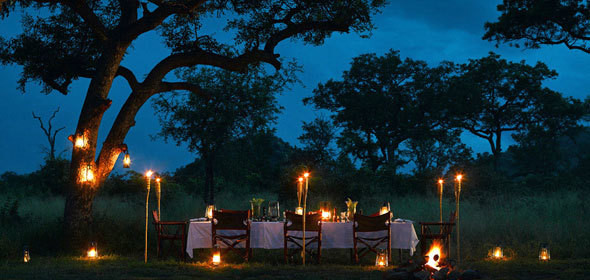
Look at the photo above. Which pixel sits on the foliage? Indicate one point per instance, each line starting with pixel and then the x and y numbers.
pixel 317 139
pixel 381 102
pixel 543 22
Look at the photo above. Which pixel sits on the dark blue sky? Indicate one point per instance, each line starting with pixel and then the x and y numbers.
pixel 430 30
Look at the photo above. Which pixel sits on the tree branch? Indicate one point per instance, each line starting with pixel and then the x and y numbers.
pixel 89 17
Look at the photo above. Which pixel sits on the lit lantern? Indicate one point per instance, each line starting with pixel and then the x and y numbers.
pixel 544 254
pixel 26 255
pixel 126 160
pixel 216 260
pixel 497 253
pixel 92 251
pixel 299 210
pixel 80 141
pixel 325 210
pixel 209 211
pixel 381 259
pixel 384 208
pixel 86 174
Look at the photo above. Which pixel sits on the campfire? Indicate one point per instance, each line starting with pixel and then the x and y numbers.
pixel 434 256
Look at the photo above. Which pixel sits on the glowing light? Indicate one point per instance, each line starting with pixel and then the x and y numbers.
pixel 434 256
pixel 126 161
pixel 26 256
pixel 544 254
pixel 299 210
pixel 92 252
pixel 383 210
pixel 326 215
pixel 498 253
pixel 216 258
pixel 149 174
pixel 306 174
pixel 80 141
pixel 209 211
pixel 440 181
pixel 381 260
pixel 86 174
pixel 300 179
pixel 158 180
pixel 459 177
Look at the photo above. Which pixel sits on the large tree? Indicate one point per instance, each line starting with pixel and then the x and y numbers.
pixel 70 40
pixel 542 22
pixel 381 102
pixel 239 105
pixel 494 96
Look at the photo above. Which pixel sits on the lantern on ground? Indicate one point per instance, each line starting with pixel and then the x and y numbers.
pixel 544 254
pixel 209 211
pixel 26 255
pixel 325 211
pixel 126 160
pixel 384 208
pixel 497 253
pixel 216 259
pixel 381 260
pixel 92 251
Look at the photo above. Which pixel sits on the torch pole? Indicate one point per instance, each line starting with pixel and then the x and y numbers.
pixel 440 192
pixel 159 189
pixel 304 211
pixel 147 200
pixel 457 199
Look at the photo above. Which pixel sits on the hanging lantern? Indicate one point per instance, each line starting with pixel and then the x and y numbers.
pixel 86 174
pixel 497 253
pixel 325 211
pixel 299 210
pixel 126 160
pixel 92 251
pixel 216 260
pixel 209 211
pixel 544 254
pixel 26 255
pixel 381 259
pixel 80 141
pixel 384 208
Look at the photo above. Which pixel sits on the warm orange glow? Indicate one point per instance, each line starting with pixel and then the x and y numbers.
pixel 126 161
pixel 26 257
pixel 92 253
pixel 299 210
pixel 80 141
pixel 300 179
pixel 216 258
pixel 459 177
pixel 434 256
pixel 149 174
pixel 383 210
pixel 498 253
pixel 544 255
pixel 326 215
pixel 86 174
pixel 381 259
pixel 440 181
pixel 158 179
pixel 306 174
pixel 209 213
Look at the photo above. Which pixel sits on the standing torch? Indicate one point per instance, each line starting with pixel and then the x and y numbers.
pixel 306 175
pixel 457 199
pixel 159 193
pixel 148 176
pixel 440 192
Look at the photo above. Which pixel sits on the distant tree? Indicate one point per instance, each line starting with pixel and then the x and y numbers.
pixel 380 103
pixel 317 137
pixel 238 105
pixel 542 22
pixel 494 96
pixel 49 133
pixel 70 40
pixel 435 150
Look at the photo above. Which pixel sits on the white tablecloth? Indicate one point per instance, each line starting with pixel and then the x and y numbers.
pixel 269 235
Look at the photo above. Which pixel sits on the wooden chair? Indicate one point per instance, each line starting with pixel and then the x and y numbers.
pixel 379 223
pixel 294 222
pixel 428 232
pixel 170 231
pixel 232 220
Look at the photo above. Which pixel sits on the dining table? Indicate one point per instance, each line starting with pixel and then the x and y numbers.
pixel 269 235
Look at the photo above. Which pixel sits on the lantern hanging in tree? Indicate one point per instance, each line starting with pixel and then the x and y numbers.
pixel 126 160
pixel 544 254
pixel 80 141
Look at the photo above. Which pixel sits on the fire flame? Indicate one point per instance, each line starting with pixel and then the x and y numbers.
pixel 434 256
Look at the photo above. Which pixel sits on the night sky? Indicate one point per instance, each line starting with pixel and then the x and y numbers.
pixel 426 30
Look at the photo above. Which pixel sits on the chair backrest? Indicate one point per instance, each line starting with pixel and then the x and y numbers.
pixel 231 219
pixel 372 223
pixel 155 214
pixel 295 221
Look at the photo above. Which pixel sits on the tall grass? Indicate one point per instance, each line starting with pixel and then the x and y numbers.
pixel 519 224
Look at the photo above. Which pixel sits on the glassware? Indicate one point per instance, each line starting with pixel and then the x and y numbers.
pixel 343 217
pixel 273 211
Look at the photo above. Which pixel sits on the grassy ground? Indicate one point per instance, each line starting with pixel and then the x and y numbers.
pixel 113 267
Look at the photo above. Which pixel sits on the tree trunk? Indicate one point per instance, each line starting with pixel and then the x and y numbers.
pixel 210 178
